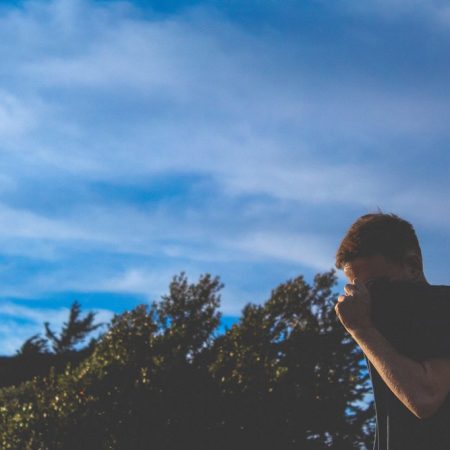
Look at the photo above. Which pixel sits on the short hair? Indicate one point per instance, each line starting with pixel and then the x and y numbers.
pixel 378 234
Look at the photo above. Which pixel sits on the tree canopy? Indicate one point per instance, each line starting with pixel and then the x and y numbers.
pixel 286 375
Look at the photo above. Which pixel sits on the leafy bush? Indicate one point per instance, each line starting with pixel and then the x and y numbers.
pixel 285 376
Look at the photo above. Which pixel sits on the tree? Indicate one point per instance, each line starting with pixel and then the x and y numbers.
pixel 35 345
pixel 34 358
pixel 286 376
pixel 292 374
pixel 73 332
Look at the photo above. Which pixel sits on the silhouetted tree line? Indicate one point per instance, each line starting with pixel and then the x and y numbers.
pixel 285 376
pixel 38 354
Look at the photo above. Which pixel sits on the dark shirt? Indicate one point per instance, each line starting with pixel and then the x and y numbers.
pixel 415 319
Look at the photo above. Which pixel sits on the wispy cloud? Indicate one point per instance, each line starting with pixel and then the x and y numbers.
pixel 136 143
pixel 33 315
pixel 309 250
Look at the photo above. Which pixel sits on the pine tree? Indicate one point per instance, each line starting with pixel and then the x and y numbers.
pixel 73 332
pixel 35 345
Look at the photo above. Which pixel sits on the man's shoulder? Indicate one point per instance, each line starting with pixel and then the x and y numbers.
pixel 414 317
pixel 384 291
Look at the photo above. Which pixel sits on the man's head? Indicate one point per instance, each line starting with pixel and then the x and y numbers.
pixel 380 245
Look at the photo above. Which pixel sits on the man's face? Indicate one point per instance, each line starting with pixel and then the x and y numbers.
pixel 371 267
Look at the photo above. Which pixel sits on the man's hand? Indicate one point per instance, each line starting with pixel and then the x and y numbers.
pixel 353 309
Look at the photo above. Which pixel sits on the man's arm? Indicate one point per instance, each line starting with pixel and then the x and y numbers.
pixel 438 372
pixel 421 386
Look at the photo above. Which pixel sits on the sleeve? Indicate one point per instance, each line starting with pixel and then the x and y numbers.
pixel 414 317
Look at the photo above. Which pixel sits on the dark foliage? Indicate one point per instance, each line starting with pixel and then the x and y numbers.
pixel 34 357
pixel 287 376
pixel 73 332
pixel 35 345
pixel 19 368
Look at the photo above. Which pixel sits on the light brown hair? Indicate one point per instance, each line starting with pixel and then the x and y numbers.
pixel 378 234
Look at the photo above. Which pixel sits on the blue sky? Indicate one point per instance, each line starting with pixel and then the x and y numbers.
pixel 239 138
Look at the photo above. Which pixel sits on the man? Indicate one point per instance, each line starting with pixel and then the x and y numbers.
pixel 402 324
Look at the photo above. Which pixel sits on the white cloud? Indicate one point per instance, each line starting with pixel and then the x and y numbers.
pixel 220 99
pixel 144 281
pixel 32 314
pixel 20 223
pixel 423 206
pixel 307 249
pixel 56 317
pixel 95 93
pixel 15 117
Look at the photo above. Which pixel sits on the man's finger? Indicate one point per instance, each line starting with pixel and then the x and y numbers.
pixel 349 289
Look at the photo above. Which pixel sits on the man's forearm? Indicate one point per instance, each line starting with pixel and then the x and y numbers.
pixel 405 377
